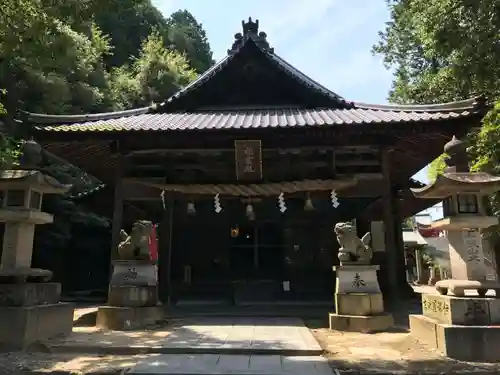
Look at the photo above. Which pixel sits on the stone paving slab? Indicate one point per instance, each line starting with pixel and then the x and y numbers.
pixel 250 334
pixel 213 364
pixel 215 335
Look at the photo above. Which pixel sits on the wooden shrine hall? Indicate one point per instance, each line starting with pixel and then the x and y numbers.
pixel 248 168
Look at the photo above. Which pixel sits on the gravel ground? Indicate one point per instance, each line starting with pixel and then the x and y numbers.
pixel 50 363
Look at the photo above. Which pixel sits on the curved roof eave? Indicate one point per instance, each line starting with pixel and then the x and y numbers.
pixel 476 102
pixel 40 118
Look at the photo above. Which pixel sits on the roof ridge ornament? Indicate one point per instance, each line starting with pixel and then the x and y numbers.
pixel 250 31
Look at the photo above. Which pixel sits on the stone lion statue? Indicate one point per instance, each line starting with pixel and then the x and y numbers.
pixel 352 249
pixel 136 245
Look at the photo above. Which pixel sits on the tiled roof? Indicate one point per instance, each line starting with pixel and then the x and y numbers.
pixel 244 119
pixel 273 58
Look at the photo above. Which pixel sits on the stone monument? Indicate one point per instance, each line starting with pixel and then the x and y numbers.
pixel 462 326
pixel 358 300
pixel 133 290
pixel 30 307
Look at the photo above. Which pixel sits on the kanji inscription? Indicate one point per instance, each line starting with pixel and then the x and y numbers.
pixel 476 313
pixel 472 242
pixel 358 282
pixel 248 156
pixel 131 275
pixel 434 305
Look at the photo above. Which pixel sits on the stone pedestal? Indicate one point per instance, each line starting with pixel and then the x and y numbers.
pixel 132 298
pixel 32 312
pixel 133 272
pixel 463 328
pixel 358 300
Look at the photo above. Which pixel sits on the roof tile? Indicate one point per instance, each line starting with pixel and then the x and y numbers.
pixel 277 118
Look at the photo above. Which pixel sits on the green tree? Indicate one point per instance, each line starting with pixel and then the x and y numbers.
pixel 128 23
pixel 442 50
pixel 188 36
pixel 9 147
pixel 48 67
pixel 154 76
pixel 436 167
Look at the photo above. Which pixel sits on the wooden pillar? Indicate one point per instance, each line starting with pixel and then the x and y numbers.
pixel 165 252
pixel 394 244
pixel 389 215
pixel 117 207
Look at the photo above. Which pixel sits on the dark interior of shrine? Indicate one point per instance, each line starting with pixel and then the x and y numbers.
pixel 214 253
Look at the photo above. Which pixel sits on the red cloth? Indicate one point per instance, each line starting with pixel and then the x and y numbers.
pixel 153 245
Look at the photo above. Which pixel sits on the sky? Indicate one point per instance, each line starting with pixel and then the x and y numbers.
pixel 331 41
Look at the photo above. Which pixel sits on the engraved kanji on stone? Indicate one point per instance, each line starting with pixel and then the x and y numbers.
pixel 358 282
pixel 472 243
pixel 476 313
pixel 132 274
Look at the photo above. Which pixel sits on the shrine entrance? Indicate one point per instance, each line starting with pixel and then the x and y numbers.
pixel 257 251
pixel 256 261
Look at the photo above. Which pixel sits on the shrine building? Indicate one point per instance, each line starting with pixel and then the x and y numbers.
pixel 248 168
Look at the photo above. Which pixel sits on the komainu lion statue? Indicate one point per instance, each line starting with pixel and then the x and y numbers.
pixel 352 249
pixel 135 245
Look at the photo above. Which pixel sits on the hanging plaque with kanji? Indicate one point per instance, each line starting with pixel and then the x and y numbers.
pixel 248 156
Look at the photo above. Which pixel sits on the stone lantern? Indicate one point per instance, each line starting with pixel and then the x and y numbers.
pixel 462 326
pixel 29 305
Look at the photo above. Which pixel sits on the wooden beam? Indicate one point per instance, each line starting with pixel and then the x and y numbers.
pixel 139 192
pixel 278 150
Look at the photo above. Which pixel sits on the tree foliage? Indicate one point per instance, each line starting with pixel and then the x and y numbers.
pixel 188 36
pixel 88 56
pixel 154 76
pixel 445 50
pixel 67 57
pixel 436 167
pixel 442 50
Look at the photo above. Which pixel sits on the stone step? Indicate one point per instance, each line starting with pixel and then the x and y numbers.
pixel 210 364
pixel 178 350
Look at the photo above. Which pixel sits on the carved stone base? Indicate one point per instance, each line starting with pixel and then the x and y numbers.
pixel 465 343
pixel 461 310
pixel 458 287
pixel 22 275
pixel 359 304
pixel 365 324
pixel 132 296
pixel 134 272
pixel 127 318
pixel 25 325
pixel 30 294
pixel 356 279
